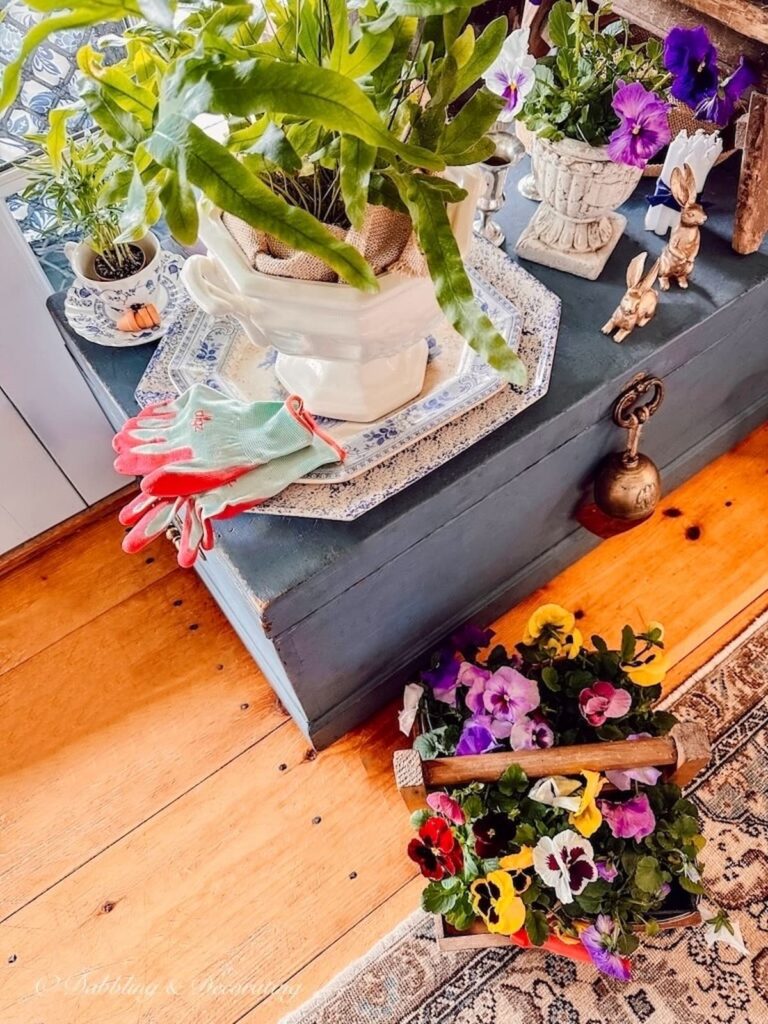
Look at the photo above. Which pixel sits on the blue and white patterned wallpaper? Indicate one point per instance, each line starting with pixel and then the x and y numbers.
pixel 48 81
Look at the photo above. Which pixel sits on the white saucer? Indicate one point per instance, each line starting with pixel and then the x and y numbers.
pixel 87 314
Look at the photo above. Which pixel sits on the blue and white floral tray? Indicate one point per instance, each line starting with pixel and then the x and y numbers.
pixel 217 351
pixel 346 501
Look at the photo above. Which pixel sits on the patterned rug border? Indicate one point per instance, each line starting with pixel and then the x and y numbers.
pixel 717 659
pixel 340 981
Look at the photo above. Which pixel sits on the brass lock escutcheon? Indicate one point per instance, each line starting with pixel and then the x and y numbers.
pixel 628 484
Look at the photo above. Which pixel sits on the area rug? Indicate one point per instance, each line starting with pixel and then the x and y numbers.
pixel 677 978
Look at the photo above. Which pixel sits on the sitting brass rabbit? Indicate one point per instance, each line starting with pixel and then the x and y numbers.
pixel 679 254
pixel 639 302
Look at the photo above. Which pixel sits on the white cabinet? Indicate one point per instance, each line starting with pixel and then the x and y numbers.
pixel 40 378
pixel 34 493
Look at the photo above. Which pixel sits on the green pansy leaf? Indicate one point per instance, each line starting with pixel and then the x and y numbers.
pixel 550 678
pixel 431 744
pixel 648 876
pixel 419 817
pixel 536 927
pixel 437 900
pixel 559 24
pixel 627 644
pixel 230 186
pixel 462 914
pixel 513 780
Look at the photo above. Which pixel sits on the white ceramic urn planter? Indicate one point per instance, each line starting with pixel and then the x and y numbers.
pixel 351 355
pixel 576 228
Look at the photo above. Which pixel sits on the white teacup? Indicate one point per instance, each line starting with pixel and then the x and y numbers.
pixel 140 288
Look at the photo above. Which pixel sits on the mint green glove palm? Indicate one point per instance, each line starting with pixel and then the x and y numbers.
pixel 203 440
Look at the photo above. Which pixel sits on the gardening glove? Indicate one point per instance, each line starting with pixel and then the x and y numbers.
pixel 204 439
pixel 150 515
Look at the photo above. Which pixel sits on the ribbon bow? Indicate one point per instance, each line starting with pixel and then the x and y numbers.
pixel 663 197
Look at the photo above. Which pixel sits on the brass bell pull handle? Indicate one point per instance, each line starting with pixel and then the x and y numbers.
pixel 627 484
pixel 631 413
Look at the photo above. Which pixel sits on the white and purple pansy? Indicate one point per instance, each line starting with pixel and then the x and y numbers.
pixel 511 75
pixel 566 863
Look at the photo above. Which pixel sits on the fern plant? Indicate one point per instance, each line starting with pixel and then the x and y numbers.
pixel 321 106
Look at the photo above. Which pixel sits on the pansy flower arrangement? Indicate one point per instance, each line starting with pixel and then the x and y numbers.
pixel 600 87
pixel 582 864
pixel 550 690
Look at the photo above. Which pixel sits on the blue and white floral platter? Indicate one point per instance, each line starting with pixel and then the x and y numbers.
pixel 347 500
pixel 218 352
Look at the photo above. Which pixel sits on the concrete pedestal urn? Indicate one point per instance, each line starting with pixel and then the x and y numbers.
pixel 576 228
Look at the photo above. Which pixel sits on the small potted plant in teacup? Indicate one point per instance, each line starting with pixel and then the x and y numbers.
pixel 123 288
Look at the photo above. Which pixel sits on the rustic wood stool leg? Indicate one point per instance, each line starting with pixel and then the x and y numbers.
pixel 693 751
pixel 751 223
pixel 409 777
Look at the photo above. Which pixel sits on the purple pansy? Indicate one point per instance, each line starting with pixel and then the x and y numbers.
pixel 447 807
pixel 511 75
pixel 630 819
pixel 624 780
pixel 443 677
pixel 719 107
pixel 606 870
pixel 603 700
pixel 643 125
pixel 471 638
pixel 691 57
pixel 599 940
pixel 531 734
pixel 476 738
pixel 475 678
pixel 509 694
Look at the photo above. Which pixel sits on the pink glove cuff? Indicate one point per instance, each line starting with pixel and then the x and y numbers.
pixel 295 405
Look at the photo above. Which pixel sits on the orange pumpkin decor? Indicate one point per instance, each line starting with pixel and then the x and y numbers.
pixel 139 317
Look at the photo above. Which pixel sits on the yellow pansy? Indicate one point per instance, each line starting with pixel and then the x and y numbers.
pixel 553 627
pixel 588 819
pixel 655 626
pixel 549 616
pixel 518 861
pixel 495 900
pixel 651 671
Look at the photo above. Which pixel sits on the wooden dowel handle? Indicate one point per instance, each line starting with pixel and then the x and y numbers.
pixel 616 755
pixel 686 749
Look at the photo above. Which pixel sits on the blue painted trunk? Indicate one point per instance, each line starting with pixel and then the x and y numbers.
pixel 335 613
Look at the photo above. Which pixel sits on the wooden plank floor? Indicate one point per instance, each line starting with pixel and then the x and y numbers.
pixel 171 852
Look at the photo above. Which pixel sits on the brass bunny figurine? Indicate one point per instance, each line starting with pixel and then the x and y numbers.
pixel 639 303
pixel 679 254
